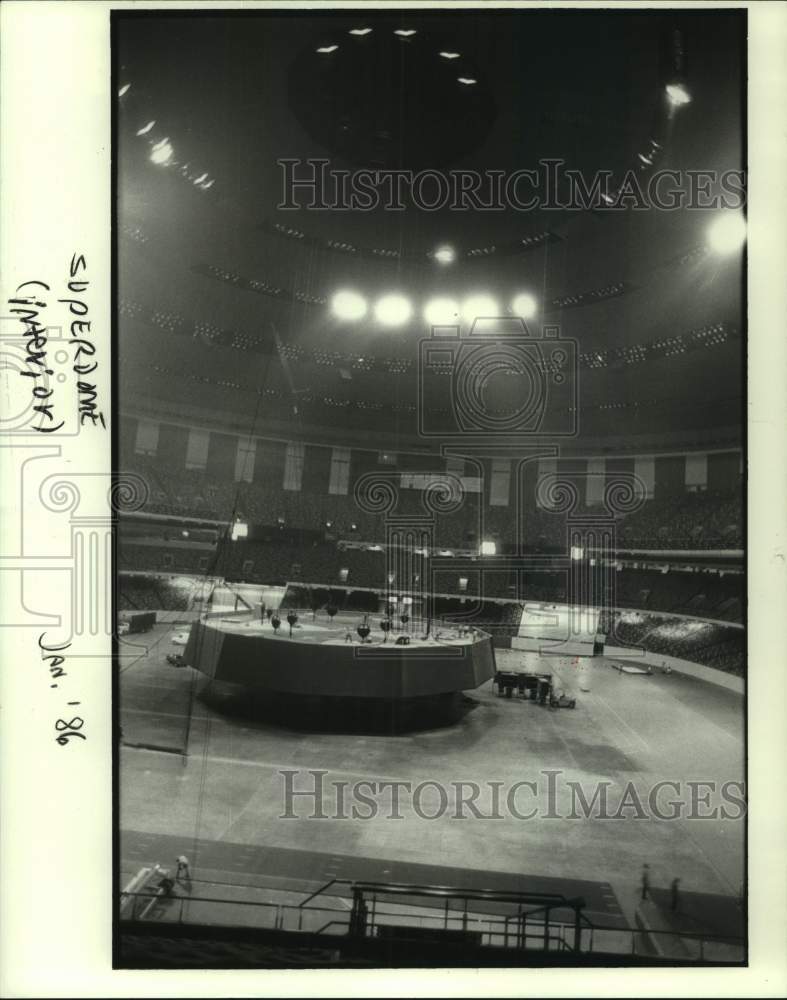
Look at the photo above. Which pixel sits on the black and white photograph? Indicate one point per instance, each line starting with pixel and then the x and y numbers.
pixel 431 361
pixel 423 551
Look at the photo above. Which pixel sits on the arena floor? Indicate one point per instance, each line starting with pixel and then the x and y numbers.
pixel 205 781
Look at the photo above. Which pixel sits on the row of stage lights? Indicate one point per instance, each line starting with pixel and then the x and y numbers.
pixel 676 91
pixel 726 235
pixel 162 152
pixel 395 309
pixel 404 34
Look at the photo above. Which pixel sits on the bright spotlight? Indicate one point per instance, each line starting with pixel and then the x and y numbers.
pixel 405 32
pixel 326 49
pixel 393 310
pixel 728 233
pixel 478 307
pixel 488 548
pixel 468 81
pixel 162 153
pixel 360 31
pixel 201 179
pixel 449 55
pixel 525 306
pixel 348 305
pixel 146 128
pixel 441 312
pixel 124 89
pixel 445 254
pixel 677 95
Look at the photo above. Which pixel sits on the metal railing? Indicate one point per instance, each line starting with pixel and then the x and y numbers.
pixel 536 922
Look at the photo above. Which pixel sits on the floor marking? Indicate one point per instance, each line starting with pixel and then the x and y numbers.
pixel 637 736
pixel 303 769
pixel 574 760
pixel 704 855
pixel 174 686
pixel 235 819
pixel 174 715
pixel 735 739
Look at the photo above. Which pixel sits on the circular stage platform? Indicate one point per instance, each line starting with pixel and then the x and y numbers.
pixel 328 660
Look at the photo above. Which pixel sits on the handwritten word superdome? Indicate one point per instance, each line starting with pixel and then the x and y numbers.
pixel 80 332
pixel 30 305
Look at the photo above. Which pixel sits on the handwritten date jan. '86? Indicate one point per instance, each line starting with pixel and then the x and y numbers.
pixel 54 657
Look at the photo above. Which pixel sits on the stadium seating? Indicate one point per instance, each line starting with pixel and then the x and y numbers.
pixel 705 642
pixel 694 521
pixel 138 592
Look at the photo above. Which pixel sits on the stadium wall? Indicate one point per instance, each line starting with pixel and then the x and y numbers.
pixel 698 670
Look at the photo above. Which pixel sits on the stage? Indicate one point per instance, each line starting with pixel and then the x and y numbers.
pixel 327 659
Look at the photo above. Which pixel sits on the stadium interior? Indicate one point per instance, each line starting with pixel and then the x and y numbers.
pixel 305 482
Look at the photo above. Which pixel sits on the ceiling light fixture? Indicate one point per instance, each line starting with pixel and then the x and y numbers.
pixel 479 307
pixel 444 254
pixel 441 312
pixel 348 305
pixel 393 310
pixel 677 95
pixel 162 153
pixel 728 233
pixel 524 306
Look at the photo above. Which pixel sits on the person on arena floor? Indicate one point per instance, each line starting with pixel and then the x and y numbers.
pixel 645 882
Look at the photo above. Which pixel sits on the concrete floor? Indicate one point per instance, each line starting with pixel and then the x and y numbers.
pixel 227 790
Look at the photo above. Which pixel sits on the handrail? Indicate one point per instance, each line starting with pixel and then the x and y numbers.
pixel 442 891
pixel 326 926
pixel 334 881
pixel 309 898
pixel 492 918
pixel 694 935
pixel 204 899
pixel 493 926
